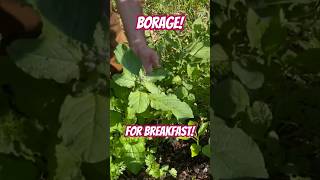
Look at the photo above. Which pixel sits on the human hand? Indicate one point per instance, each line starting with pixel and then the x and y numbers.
pixel 149 57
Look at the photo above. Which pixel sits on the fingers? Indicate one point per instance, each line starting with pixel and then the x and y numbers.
pixel 148 68
pixel 150 61
pixel 156 62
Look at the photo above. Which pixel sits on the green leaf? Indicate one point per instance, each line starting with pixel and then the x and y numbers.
pixel 206 150
pixel 195 149
pixel 203 53
pixel 176 80
pixel 199 50
pixel 151 87
pixel 124 79
pixel 253 80
pixel 260 119
pixel 202 128
pixel 51 56
pixel 180 110
pixel 155 75
pixel 68 164
pixel 230 98
pixel 138 101
pixel 115 118
pixel 256 27
pixel 275 35
pixel 83 126
pixel 235 154
pixel 128 59
pixel 134 155
pixel 76 18
pixel 218 53
pixel 173 172
pixel 182 92
pixel 260 113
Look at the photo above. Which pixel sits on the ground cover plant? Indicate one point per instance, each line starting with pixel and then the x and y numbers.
pixel 178 93
pixel 265 99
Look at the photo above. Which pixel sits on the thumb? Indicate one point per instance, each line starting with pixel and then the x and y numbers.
pixel 147 68
pixel 155 60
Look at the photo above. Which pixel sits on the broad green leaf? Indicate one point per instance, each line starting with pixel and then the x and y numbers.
pixel 230 98
pixel 199 50
pixel 256 27
pixel 203 128
pixel 68 164
pixel 134 155
pixel 125 79
pixel 252 79
pixel 128 59
pixel 83 126
pixel 138 101
pixel 155 75
pixel 51 56
pixel 76 18
pixel 235 154
pixel 206 150
pixel 218 54
pixel 195 149
pixel 203 53
pixel 180 110
pixel 151 87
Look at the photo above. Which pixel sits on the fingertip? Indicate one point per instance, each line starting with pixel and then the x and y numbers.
pixel 157 61
pixel 148 69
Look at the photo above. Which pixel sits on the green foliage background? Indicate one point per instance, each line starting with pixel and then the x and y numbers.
pixel 265 96
pixel 53 105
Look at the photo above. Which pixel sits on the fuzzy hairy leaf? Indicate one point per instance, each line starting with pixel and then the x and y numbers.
pixel 128 59
pixel 180 110
pixel 52 56
pixel 125 79
pixel 68 164
pixel 83 126
pixel 134 155
pixel 231 147
pixel 138 101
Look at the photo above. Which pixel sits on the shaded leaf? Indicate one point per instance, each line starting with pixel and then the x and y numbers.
pixel 235 154
pixel 252 79
pixel 230 98
pixel 83 126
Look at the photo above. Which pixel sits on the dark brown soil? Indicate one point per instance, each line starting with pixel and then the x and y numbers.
pixel 177 155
